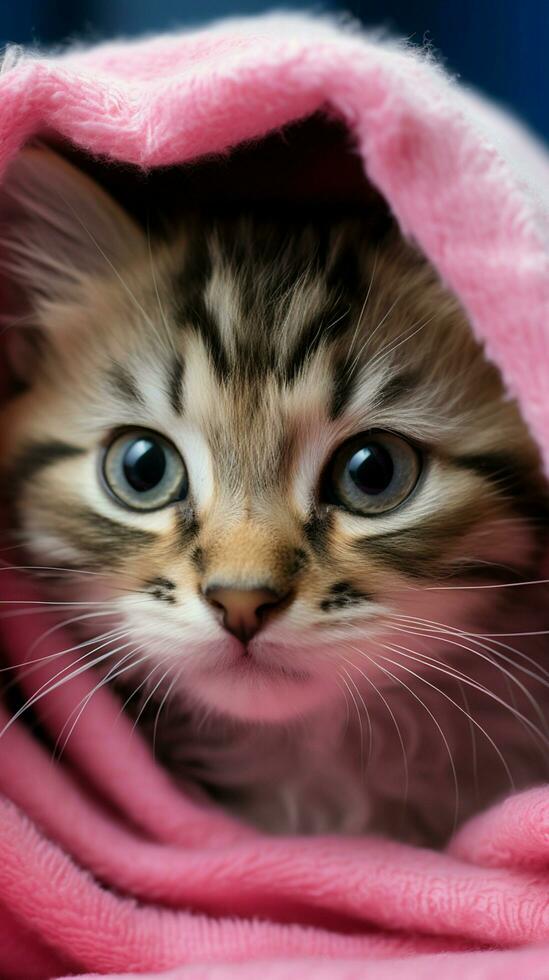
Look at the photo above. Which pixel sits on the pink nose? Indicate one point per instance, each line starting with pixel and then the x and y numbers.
pixel 244 610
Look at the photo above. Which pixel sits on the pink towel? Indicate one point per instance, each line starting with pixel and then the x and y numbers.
pixel 105 866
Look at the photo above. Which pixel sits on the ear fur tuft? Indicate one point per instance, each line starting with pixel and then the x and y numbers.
pixel 58 227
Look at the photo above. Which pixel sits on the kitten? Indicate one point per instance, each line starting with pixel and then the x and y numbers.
pixel 302 493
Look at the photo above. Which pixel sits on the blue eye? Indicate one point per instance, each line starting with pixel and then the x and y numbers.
pixel 372 473
pixel 144 471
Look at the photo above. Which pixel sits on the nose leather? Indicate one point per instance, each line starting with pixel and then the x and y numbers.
pixel 243 609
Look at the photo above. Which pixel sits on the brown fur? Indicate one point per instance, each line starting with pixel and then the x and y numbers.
pixel 257 349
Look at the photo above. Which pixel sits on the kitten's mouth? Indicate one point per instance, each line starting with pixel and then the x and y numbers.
pixel 257 681
pixel 247 663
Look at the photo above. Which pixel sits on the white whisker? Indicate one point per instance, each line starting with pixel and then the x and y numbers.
pixel 112 673
pixel 393 719
pixel 424 680
pixel 48 687
pixel 367 716
pixel 426 708
pixel 162 703
pixel 151 693
pixel 499 667
pixel 359 717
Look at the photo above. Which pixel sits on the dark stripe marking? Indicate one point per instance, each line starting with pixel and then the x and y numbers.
pixel 192 310
pixel 37 456
pixel 495 467
pixel 342 389
pixel 530 497
pixel 187 528
pixel 197 558
pixel 124 384
pixel 162 589
pixel 329 324
pixel 102 537
pixel 395 389
pixel 342 595
pixel 204 323
pixel 419 551
pixel 175 384
pixel 298 561
pixel 317 530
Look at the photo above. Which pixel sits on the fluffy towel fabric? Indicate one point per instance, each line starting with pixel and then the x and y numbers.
pixel 105 867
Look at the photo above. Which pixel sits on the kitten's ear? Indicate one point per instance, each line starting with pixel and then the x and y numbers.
pixel 58 227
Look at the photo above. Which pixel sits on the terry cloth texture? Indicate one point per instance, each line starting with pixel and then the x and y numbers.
pixel 106 868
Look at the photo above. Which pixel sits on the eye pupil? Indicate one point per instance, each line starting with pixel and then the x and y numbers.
pixel 371 469
pixel 144 464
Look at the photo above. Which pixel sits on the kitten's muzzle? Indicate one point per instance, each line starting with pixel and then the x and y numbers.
pixel 244 611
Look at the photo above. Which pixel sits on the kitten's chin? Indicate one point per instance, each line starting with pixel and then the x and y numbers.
pixel 251 691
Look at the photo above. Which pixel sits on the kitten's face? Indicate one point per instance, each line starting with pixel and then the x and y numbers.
pixel 272 447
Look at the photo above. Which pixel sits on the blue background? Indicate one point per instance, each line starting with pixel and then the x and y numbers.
pixel 500 46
